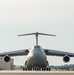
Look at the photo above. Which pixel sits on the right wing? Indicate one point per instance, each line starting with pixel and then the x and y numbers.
pixel 57 53
pixel 16 53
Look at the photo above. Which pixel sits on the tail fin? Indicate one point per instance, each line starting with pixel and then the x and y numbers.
pixel 36 34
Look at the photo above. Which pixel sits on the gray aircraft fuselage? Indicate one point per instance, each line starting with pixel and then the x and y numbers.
pixel 36 57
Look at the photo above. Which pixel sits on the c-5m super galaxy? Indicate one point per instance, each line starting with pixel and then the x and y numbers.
pixel 37 56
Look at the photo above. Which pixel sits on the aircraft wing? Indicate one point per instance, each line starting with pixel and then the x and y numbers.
pixel 16 52
pixel 57 53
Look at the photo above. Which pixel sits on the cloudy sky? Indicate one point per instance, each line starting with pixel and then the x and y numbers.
pixel 48 16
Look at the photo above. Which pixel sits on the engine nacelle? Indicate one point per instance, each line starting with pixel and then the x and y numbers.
pixel 66 58
pixel 7 58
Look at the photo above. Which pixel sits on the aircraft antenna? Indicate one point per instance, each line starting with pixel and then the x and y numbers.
pixel 36 35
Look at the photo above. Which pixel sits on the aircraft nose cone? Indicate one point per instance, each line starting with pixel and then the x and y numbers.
pixel 36 59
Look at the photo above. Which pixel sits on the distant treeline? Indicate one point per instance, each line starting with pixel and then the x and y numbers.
pixel 63 67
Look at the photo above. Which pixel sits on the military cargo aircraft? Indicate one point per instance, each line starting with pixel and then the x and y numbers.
pixel 37 56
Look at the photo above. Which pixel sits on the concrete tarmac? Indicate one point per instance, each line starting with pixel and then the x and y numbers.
pixel 36 72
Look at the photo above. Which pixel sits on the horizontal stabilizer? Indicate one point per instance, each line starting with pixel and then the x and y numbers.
pixel 47 34
pixel 26 34
pixel 36 34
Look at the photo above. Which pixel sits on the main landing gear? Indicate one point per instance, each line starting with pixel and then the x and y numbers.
pixel 36 69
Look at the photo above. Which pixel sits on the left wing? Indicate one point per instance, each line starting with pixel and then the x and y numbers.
pixel 57 53
pixel 16 53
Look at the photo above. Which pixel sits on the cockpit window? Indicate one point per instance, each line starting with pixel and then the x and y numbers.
pixel 36 46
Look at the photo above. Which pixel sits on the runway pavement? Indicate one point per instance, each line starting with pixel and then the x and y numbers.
pixel 36 72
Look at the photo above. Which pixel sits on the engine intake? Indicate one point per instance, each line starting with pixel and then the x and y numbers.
pixel 7 58
pixel 66 58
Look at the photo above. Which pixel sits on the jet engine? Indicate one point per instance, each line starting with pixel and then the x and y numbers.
pixel 7 58
pixel 66 58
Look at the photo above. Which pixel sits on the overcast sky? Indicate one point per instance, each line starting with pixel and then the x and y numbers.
pixel 48 16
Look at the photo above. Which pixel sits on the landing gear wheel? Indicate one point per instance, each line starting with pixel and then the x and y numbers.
pixel 25 69
pixel 36 69
pixel 49 69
